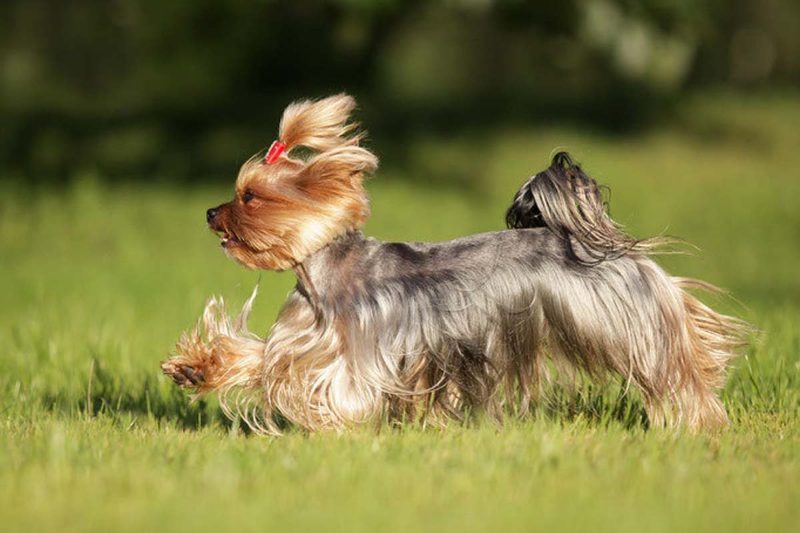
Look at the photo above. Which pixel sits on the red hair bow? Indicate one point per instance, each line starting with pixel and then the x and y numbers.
pixel 274 152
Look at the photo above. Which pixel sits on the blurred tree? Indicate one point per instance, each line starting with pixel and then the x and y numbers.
pixel 189 87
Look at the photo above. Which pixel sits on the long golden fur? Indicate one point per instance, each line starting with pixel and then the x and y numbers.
pixel 432 331
pixel 284 212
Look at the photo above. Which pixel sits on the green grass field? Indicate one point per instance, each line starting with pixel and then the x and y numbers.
pixel 99 280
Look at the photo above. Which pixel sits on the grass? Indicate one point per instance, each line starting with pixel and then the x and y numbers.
pixel 98 280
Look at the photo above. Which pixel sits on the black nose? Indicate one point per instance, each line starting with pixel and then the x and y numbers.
pixel 211 214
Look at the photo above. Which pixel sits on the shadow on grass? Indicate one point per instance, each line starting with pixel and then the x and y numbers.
pixel 597 404
pixel 110 395
pixel 587 404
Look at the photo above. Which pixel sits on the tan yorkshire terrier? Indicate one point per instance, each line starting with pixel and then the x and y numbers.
pixel 435 331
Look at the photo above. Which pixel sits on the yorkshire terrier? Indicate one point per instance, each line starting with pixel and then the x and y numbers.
pixel 433 331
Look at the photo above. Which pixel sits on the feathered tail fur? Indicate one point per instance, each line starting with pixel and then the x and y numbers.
pixel 570 203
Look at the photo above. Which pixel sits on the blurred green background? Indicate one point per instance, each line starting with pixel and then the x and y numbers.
pixel 121 121
pixel 186 89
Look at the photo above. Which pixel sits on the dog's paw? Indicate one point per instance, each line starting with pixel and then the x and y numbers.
pixel 182 374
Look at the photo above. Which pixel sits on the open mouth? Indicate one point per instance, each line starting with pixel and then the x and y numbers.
pixel 228 239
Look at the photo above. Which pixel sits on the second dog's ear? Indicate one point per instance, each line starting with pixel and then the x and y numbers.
pixel 320 125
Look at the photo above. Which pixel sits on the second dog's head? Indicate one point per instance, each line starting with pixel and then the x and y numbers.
pixel 306 191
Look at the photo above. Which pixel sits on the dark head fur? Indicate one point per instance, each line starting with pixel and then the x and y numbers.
pixel 570 203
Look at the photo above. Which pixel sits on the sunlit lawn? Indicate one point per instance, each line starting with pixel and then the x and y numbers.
pixel 98 281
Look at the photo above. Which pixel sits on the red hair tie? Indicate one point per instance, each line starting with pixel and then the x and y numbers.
pixel 274 152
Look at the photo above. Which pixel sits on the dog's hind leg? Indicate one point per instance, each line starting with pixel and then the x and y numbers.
pixel 711 340
pixel 697 345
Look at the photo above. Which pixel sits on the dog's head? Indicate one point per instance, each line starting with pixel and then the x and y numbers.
pixel 306 191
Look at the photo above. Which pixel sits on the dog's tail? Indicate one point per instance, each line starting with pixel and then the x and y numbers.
pixel 570 203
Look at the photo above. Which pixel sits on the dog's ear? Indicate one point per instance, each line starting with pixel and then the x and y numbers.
pixel 345 166
pixel 323 126
pixel 319 125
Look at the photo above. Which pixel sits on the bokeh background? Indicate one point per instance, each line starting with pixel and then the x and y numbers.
pixel 122 121
pixel 184 90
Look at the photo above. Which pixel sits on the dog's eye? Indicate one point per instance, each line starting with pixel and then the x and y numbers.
pixel 247 196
